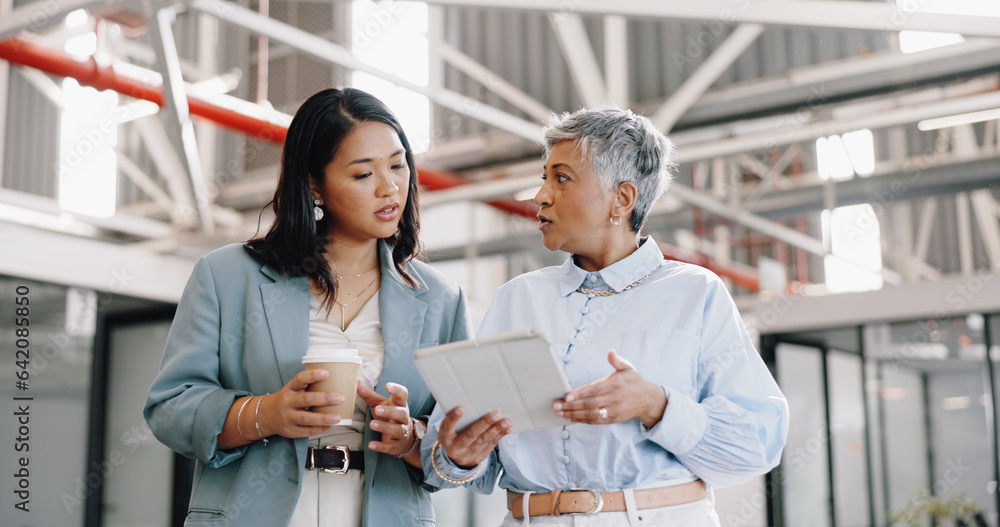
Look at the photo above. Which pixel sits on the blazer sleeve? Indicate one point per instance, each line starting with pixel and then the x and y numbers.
pixel 187 404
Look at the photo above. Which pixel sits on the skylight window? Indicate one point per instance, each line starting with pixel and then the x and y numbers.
pixel 88 169
pixel 844 156
pixel 855 241
pixel 913 41
pixel 852 233
pixel 392 36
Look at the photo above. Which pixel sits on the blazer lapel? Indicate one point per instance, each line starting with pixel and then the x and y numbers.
pixel 286 309
pixel 402 313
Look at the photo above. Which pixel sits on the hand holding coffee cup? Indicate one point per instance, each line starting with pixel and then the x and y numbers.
pixel 343 366
pixel 286 411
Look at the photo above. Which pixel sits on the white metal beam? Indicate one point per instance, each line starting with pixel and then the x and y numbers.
pixel 494 82
pixel 328 51
pixel 479 191
pixel 51 216
pixel 616 59
pixel 926 227
pixel 824 73
pixel 768 179
pixel 707 73
pixel 146 183
pixel 580 57
pixel 47 87
pixel 907 302
pixel 814 13
pixel 965 252
pixel 902 240
pixel 178 120
pixel 757 223
pixel 984 207
pixel 51 257
pixel 797 127
pixel 157 142
pixel 35 17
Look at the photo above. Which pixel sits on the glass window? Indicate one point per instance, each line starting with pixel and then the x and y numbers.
pixel 804 468
pixel 933 389
pixel 847 440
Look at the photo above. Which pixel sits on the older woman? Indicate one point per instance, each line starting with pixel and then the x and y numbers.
pixel 670 398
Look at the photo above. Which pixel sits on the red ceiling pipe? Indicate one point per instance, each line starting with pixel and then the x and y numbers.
pixel 433 180
pixel 101 76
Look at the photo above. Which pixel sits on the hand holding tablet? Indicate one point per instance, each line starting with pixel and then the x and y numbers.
pixel 515 373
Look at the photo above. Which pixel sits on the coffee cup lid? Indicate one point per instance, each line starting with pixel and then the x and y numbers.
pixel 331 355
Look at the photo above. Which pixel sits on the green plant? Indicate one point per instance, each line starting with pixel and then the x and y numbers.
pixel 944 511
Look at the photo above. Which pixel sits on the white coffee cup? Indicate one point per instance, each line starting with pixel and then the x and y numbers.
pixel 343 365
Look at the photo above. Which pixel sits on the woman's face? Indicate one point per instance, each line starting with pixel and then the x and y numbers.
pixel 365 186
pixel 574 212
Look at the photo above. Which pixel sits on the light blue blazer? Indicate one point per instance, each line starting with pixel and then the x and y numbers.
pixel 242 328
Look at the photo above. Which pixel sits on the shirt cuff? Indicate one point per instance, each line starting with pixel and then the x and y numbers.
pixel 682 426
pixel 450 469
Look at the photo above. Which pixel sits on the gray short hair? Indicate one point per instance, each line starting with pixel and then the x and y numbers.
pixel 621 146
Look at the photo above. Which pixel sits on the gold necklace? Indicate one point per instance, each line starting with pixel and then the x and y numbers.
pixel 343 319
pixel 613 292
pixel 355 276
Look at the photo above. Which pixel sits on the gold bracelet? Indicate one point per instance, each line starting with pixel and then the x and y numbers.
pixel 247 400
pixel 437 469
pixel 256 418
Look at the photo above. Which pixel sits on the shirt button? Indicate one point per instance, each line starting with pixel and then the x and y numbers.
pixel 565 460
pixel 565 434
pixel 585 310
pixel 591 278
pixel 580 327
pixel 565 358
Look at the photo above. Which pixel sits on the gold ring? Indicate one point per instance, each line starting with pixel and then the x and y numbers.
pixel 602 413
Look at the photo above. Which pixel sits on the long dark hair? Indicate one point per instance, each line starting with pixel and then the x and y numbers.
pixel 294 245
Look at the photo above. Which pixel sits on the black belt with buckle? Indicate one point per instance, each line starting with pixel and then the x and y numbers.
pixel 334 459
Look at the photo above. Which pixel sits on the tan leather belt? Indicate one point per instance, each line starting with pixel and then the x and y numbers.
pixel 590 501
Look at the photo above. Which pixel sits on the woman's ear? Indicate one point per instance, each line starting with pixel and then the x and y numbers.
pixel 313 192
pixel 625 197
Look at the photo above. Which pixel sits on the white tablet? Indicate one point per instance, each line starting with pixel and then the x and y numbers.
pixel 515 372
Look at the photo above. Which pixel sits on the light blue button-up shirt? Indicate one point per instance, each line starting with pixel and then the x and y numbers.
pixel 725 421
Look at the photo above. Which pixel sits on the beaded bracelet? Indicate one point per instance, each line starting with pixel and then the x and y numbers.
pixel 256 418
pixel 239 415
pixel 437 469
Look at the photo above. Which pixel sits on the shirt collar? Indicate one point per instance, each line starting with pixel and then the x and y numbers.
pixel 616 276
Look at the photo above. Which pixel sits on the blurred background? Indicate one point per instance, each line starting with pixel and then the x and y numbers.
pixel 838 167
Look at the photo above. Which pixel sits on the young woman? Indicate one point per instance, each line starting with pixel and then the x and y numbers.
pixel 335 270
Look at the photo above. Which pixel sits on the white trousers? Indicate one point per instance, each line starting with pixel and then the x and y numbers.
pixel 700 513
pixel 331 500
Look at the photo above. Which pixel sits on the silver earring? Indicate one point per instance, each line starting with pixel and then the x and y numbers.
pixel 616 220
pixel 317 210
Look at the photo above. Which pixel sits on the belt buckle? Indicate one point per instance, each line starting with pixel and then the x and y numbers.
pixel 347 460
pixel 598 502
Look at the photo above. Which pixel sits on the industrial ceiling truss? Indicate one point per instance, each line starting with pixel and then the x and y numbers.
pixel 748 183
